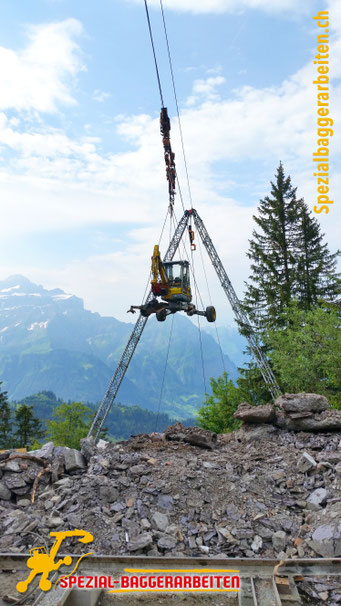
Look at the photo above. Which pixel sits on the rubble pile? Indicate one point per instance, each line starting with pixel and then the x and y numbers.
pixel 263 491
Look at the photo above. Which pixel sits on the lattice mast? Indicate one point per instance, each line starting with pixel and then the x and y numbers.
pixel 134 338
pixel 239 312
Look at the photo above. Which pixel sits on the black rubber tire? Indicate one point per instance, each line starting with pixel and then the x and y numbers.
pixel 210 314
pixel 161 315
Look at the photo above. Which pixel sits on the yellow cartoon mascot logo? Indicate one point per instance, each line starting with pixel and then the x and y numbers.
pixel 41 562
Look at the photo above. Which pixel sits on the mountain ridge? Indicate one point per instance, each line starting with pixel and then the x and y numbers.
pixel 49 341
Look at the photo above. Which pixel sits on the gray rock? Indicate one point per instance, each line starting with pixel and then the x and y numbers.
pixel 227 535
pixel 159 521
pixel 5 493
pixel 140 542
pixel 279 540
pixel 255 433
pixel 22 490
pixel 74 460
pixel 165 501
pixel 14 480
pixel 302 402
pixel 88 447
pixel 255 414
pixel 45 452
pixel 338 469
pixel 146 525
pixel 256 543
pixel 118 507
pixel 12 466
pixel 138 470
pixel 329 420
pixel 191 543
pixel 101 444
pixel 317 499
pixel 173 530
pixel 166 542
pixel 64 483
pixel 326 540
pixel 54 522
pixel 306 462
pixel 23 503
pixel 109 493
pixel 330 457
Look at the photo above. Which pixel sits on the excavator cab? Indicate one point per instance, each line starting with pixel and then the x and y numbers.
pixel 179 288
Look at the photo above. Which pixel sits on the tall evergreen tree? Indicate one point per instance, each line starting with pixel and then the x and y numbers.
pixel 289 262
pixel 271 252
pixel 316 276
pixel 28 427
pixel 5 421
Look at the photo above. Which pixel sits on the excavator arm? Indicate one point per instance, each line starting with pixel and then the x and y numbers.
pixel 159 282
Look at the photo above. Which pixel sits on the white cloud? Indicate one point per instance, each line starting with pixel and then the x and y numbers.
pixel 100 95
pixel 36 78
pixel 206 89
pixel 57 182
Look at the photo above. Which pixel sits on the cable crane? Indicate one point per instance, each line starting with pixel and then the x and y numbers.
pixel 170 290
pixel 136 334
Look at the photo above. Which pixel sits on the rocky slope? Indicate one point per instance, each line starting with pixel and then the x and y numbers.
pixel 259 492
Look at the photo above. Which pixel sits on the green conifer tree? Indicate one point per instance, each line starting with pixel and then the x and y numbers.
pixel 272 248
pixel 289 262
pixel 5 421
pixel 28 427
pixel 316 276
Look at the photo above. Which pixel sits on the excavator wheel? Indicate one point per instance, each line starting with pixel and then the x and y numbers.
pixel 161 315
pixel 210 314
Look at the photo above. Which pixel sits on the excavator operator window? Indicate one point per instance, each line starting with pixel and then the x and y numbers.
pixel 174 273
pixel 185 275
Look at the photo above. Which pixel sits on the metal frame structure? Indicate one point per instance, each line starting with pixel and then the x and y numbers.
pixel 136 334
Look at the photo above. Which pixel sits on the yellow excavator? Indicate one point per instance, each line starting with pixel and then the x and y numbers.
pixel 171 283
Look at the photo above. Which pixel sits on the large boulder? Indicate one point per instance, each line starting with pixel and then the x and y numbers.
pixel 326 540
pixel 329 420
pixel 302 402
pixel 88 447
pixel 72 459
pixel 255 414
pixel 140 542
pixel 45 452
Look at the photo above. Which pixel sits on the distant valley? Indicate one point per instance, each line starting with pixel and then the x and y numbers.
pixel 48 341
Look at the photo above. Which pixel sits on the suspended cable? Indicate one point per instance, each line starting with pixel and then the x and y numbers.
pixel 180 194
pixel 176 103
pixel 164 372
pixel 150 273
pixel 210 300
pixel 199 328
pixel 155 61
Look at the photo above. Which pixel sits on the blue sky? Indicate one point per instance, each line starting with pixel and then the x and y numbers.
pixel 81 163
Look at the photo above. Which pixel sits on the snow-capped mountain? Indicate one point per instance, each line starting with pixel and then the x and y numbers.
pixel 48 341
